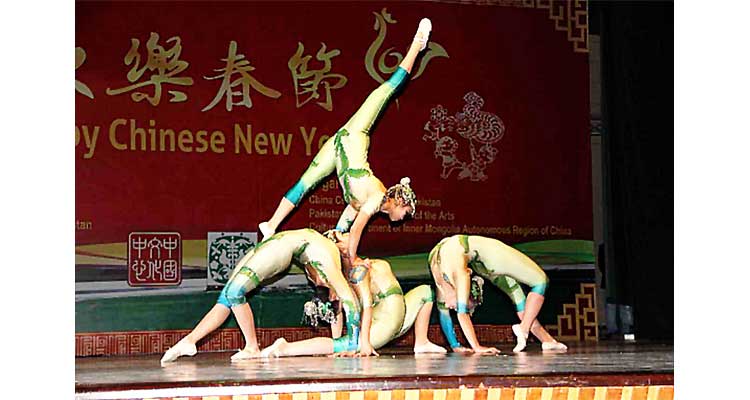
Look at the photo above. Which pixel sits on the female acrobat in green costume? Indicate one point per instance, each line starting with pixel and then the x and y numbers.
pixel 451 263
pixel 387 313
pixel 346 152
pixel 321 261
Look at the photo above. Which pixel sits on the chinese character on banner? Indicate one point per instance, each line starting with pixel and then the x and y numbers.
pixel 307 82
pixel 237 65
pixel 81 87
pixel 165 65
pixel 154 259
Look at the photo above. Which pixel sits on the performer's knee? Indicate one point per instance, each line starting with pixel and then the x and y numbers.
pixel 541 288
pixel 521 306
pixel 232 296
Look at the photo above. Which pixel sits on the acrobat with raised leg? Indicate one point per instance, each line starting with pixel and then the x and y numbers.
pixel 346 152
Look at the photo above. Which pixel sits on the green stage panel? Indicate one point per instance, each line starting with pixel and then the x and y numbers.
pixel 283 307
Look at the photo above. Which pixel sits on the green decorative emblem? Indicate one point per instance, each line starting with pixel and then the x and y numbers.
pixel 224 251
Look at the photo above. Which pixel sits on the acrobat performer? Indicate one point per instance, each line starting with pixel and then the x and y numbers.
pixel 451 263
pixel 320 259
pixel 346 152
pixel 387 312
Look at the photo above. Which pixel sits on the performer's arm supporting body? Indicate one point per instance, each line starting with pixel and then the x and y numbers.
pixel 448 265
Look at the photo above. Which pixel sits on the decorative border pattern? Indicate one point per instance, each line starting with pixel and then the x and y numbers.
pixel 570 16
pixel 528 393
pixel 157 342
pixel 578 321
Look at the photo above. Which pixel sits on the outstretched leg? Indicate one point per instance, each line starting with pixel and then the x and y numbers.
pixel 321 166
pixel 186 346
pixel 308 347
pixel 375 103
pixel 417 45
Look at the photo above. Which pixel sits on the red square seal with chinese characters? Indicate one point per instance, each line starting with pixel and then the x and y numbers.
pixel 154 259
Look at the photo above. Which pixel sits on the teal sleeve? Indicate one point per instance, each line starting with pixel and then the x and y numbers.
pixel 398 78
pixel 350 342
pixel 446 324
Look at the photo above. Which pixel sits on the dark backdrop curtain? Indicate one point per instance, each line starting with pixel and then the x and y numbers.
pixel 637 44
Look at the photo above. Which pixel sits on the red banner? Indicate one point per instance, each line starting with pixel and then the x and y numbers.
pixel 197 117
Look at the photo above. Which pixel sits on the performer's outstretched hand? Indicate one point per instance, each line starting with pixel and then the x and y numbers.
pixel 462 350
pixel 486 350
pixel 345 354
pixel 367 350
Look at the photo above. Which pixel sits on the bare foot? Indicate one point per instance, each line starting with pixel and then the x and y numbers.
pixel 274 350
pixel 428 347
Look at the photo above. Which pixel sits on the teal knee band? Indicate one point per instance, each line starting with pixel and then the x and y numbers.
pixel 521 306
pixel 231 296
pixel 223 300
pixel 461 308
pixel 540 288
pixel 296 193
pixel 398 77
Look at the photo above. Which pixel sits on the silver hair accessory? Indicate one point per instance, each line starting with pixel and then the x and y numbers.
pixel 316 310
pixel 404 193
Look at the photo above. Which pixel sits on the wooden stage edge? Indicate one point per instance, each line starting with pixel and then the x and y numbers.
pixel 554 384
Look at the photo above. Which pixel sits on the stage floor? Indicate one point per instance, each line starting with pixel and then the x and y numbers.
pixel 604 363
